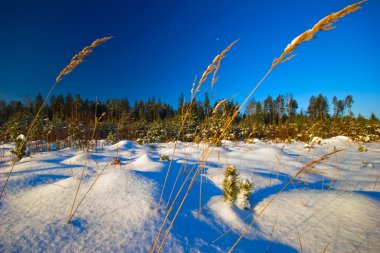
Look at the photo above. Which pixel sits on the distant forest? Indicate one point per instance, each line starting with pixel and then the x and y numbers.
pixel 70 120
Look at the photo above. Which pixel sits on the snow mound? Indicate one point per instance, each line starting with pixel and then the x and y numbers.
pixel 21 137
pixel 226 213
pixel 264 154
pixel 116 216
pixel 338 140
pixel 78 158
pixel 123 145
pixel 145 163
pixel 320 218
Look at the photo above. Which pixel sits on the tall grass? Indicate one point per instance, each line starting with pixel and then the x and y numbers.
pixel 323 25
pixel 75 61
pixel 213 69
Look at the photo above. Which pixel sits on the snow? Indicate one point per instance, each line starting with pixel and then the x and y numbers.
pixel 21 137
pixel 337 208
pixel 146 163
pixel 349 222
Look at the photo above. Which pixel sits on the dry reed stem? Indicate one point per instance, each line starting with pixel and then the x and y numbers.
pixel 250 215
pixel 327 245
pixel 75 61
pixel 324 24
pixel 310 164
pixel 299 239
pixel 219 105
pixel 271 234
pixel 152 248
pixel 171 207
pixel 96 121
pixel 183 166
pixel 79 58
pixel 200 194
pixel 89 189
pixel 333 177
pixel 175 182
pixel 213 67
pixel 377 178
pixel 356 247
pixel 196 173
pixel 76 195
pixel 230 229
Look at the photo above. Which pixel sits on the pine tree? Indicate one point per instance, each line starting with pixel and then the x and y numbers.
pixel 111 138
pixel 245 190
pixel 349 101
pixel 21 149
pixel 280 108
pixel 291 107
pixel 206 105
pixel 230 184
pixel 37 103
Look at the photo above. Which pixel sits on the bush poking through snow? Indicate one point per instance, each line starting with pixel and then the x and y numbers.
pixel 235 190
pixel 362 149
pixel 116 161
pixel 164 158
pixel 111 138
pixel 230 184
pixel 245 190
pixel 21 149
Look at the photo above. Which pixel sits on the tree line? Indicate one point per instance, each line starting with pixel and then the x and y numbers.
pixel 71 119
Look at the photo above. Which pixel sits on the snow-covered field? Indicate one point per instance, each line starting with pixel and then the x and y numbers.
pixel 336 210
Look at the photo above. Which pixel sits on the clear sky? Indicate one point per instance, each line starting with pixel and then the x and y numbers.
pixel 159 46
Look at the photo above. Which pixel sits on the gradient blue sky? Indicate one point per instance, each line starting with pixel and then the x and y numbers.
pixel 159 46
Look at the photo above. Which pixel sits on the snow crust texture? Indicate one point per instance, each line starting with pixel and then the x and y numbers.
pixel 334 207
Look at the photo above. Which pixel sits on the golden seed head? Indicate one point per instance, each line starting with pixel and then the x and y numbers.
pixel 79 58
pixel 324 24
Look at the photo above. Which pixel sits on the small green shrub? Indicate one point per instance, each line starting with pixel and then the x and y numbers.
pixel 21 149
pixel 245 190
pixel 111 138
pixel 230 184
pixel 164 158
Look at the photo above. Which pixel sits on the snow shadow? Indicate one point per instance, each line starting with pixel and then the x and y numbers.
pixel 80 224
pixel 197 230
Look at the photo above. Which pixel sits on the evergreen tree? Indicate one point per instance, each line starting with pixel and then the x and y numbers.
pixel 21 149
pixel 259 114
pixel 181 104
pixel 280 108
pixel 349 101
pixel 311 109
pixel 68 106
pixel 206 105
pixel 269 110
pixel 245 190
pixel 230 184
pixel 291 107
pixel 37 103
pixel 335 103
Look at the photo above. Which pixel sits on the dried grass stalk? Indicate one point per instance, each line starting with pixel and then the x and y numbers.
pixel 214 67
pixel 79 58
pixel 324 24
pixel 259 213
pixel 219 105
pixel 75 61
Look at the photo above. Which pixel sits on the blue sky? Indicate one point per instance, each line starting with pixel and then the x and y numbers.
pixel 159 46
